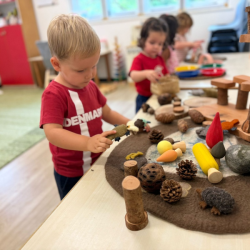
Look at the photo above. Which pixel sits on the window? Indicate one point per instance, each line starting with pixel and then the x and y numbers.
pixel 90 10
pixel 191 4
pixel 160 5
pixel 99 9
pixel 122 8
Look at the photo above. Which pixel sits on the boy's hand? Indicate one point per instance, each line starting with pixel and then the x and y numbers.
pixel 99 143
pixel 152 76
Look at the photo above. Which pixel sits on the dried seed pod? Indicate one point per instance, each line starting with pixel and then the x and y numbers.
pixel 165 99
pixel 151 177
pixel 151 111
pixel 182 125
pixel 145 107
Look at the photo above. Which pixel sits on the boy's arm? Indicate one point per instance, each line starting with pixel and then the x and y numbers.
pixel 65 139
pixel 165 54
pixel 113 117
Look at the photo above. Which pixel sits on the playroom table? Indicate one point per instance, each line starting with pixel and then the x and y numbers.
pixel 235 64
pixel 92 215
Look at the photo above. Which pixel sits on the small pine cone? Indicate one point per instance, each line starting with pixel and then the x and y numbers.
pixel 145 107
pixel 156 136
pixel 187 170
pixel 171 191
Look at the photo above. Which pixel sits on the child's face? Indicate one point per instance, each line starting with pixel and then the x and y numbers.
pixel 184 31
pixel 154 43
pixel 76 72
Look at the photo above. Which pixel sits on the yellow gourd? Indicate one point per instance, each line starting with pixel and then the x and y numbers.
pixel 207 162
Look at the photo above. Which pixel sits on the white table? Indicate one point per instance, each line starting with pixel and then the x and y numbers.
pixel 92 217
pixel 235 64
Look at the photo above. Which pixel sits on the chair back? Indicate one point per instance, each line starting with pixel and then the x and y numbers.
pixel 44 50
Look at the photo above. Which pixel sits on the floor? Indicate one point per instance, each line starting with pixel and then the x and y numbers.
pixel 28 193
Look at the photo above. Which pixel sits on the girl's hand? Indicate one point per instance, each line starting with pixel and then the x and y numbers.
pixel 99 143
pixel 152 76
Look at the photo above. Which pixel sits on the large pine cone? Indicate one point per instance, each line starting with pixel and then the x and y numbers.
pixel 165 118
pixel 187 170
pixel 156 136
pixel 171 191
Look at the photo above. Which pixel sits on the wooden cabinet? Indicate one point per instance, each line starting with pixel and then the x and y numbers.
pixel 14 65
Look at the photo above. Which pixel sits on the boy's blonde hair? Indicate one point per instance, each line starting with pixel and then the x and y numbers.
pixel 184 20
pixel 70 35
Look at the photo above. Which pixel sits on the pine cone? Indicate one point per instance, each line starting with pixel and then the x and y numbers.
pixel 165 118
pixel 171 191
pixel 156 136
pixel 187 170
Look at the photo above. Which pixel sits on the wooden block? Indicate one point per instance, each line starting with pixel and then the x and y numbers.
pixel 241 78
pixel 178 109
pixel 176 104
pixel 223 83
pixel 245 86
pixel 214 175
pixel 130 168
pixel 206 123
pixel 245 38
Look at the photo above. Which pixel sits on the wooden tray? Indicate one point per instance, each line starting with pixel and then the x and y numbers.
pixel 199 101
pixel 227 113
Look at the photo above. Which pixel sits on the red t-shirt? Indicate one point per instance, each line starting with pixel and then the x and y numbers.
pixel 143 62
pixel 79 111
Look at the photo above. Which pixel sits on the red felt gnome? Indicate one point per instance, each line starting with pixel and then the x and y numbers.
pixel 214 133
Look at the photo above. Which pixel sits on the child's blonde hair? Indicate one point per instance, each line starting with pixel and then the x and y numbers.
pixel 184 21
pixel 70 35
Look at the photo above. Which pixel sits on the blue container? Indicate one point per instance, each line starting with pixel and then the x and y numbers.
pixel 186 74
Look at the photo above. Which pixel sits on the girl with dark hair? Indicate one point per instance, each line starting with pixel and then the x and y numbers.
pixel 149 66
pixel 169 54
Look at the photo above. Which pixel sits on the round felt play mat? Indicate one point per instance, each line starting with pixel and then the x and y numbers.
pixel 186 213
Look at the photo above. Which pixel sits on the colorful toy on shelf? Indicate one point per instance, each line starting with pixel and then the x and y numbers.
pixel 217 198
pixel 214 133
pixel 207 162
pixel 168 156
pixel 118 62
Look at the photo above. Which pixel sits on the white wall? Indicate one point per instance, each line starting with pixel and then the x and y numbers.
pixel 122 29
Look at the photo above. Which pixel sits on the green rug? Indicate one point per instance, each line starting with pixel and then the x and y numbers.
pixel 19 121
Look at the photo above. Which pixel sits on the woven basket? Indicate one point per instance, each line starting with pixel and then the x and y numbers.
pixel 167 84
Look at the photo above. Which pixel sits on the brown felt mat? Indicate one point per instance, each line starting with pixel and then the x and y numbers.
pixel 186 213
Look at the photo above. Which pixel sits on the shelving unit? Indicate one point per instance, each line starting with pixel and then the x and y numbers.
pixel 17 43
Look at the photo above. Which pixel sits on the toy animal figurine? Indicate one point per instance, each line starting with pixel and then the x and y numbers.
pixel 121 130
pixel 217 198
pixel 141 124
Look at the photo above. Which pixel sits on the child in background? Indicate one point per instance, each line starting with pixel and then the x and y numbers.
pixel 169 54
pixel 149 66
pixel 72 105
pixel 182 46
